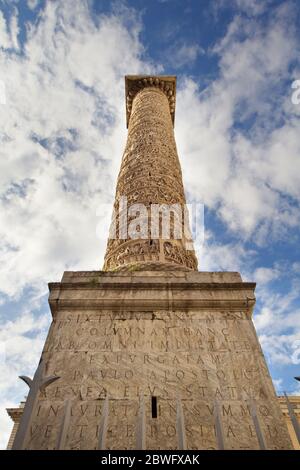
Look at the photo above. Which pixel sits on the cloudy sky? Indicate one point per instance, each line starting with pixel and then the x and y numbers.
pixel 62 131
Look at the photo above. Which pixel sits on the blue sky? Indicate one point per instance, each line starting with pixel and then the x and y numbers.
pixel 62 132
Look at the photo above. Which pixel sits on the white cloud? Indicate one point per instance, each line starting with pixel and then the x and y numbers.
pixel 250 7
pixel 240 135
pixel 9 31
pixel 254 7
pixel 278 319
pixel 214 255
pixel 264 275
pixel 296 267
pixel 14 29
pixel 5 41
pixel 296 389
pixel 184 54
pixel 62 136
pixel 22 341
pixel 62 140
pixel 32 4
pixel 278 385
pixel 279 348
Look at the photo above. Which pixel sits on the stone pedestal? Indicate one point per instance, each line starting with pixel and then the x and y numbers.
pixel 155 360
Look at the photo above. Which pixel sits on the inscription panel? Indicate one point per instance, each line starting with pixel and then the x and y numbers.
pixel 201 358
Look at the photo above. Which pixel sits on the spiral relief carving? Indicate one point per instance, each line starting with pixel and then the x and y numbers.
pixel 150 174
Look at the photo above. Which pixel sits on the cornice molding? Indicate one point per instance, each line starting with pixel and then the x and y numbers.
pixel 136 83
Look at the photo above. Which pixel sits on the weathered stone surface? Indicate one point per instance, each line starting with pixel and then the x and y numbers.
pixel 150 174
pixel 151 329
pixel 201 353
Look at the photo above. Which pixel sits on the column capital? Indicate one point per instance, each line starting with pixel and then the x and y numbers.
pixel 135 83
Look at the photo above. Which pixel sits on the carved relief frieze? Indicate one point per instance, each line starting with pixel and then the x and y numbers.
pixel 150 174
